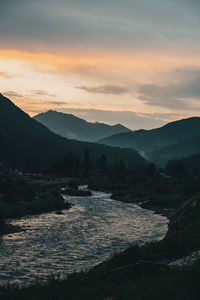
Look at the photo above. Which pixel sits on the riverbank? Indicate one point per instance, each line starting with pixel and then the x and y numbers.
pixel 28 194
pixel 9 228
pixel 163 195
pixel 138 281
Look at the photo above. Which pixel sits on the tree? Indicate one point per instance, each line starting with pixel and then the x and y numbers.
pixel 102 164
pixel 86 164
pixel 151 170
pixel 120 169
pixel 175 168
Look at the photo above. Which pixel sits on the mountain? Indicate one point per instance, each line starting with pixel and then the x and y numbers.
pixel 125 140
pixel 28 145
pixel 159 139
pixel 176 151
pixel 70 126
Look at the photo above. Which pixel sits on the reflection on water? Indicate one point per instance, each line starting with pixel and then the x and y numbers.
pixel 83 236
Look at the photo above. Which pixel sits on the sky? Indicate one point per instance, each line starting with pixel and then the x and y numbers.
pixel 134 62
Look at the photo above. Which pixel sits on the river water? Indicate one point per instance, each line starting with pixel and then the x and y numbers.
pixel 93 229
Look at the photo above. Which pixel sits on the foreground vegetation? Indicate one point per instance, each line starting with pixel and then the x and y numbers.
pixel 139 282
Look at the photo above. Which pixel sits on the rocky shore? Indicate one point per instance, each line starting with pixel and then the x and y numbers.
pixel 28 194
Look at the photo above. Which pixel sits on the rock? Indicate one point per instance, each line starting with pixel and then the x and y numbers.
pixel 59 212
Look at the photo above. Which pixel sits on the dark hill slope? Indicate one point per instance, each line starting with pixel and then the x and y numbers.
pixel 70 126
pixel 29 145
pixel 150 140
pixel 192 162
pixel 176 151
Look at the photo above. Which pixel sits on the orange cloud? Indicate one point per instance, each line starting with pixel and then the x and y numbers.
pixel 142 61
pixel 5 75
pixel 93 69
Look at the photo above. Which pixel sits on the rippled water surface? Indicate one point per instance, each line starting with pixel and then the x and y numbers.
pixel 83 236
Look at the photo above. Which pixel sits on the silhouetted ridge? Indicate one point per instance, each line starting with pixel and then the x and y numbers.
pixel 28 145
pixel 176 151
pixel 167 142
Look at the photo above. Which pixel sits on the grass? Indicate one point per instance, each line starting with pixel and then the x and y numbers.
pixel 142 281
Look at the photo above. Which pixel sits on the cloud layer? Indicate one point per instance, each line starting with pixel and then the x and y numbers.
pixel 115 23
pixel 117 55
pixel 105 89
pixel 5 75
pixel 182 95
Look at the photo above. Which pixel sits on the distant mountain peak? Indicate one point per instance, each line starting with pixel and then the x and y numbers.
pixel 118 125
pixel 71 126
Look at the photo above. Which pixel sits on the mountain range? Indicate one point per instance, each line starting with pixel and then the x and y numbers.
pixel 28 145
pixel 174 140
pixel 72 127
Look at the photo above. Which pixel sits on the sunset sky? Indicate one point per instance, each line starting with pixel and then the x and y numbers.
pixel 135 62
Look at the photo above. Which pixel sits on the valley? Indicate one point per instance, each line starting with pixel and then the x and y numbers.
pixel 138 217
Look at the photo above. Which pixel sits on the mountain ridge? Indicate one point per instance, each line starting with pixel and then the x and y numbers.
pixel 71 126
pixel 175 151
pixel 158 139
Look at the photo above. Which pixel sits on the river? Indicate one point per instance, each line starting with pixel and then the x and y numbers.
pixel 90 232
